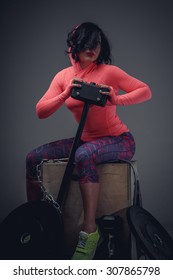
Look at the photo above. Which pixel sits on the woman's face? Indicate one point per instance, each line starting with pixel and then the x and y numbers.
pixel 89 56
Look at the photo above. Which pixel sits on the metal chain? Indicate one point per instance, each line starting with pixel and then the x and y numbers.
pixel 45 195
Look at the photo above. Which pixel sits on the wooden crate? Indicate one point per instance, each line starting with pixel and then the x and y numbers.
pixel 116 192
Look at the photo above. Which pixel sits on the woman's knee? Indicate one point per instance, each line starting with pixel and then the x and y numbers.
pixel 81 155
pixel 31 163
pixel 30 158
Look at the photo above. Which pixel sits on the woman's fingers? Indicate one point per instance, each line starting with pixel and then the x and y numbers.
pixel 105 89
pixel 76 82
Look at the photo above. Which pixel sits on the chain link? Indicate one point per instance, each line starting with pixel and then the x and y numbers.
pixel 45 195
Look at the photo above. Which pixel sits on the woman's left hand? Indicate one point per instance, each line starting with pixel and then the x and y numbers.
pixel 111 93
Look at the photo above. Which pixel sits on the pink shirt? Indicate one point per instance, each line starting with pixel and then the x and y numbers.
pixel 101 121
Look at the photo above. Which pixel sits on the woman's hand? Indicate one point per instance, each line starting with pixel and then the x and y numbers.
pixel 76 82
pixel 73 83
pixel 111 93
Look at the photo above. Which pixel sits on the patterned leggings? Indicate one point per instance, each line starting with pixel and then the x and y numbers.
pixel 87 155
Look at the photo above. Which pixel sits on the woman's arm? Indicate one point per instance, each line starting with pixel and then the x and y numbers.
pixel 136 90
pixel 53 98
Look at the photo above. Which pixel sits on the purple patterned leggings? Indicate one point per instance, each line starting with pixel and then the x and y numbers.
pixel 87 155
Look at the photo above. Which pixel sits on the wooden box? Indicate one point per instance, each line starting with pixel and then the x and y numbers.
pixel 116 192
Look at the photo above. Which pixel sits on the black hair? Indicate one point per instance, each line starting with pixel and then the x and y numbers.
pixel 87 36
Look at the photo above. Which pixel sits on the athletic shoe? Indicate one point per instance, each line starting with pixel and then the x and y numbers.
pixel 86 246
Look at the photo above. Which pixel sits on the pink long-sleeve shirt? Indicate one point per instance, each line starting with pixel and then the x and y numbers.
pixel 101 121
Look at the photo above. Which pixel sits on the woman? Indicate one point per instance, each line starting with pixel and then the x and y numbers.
pixel 105 136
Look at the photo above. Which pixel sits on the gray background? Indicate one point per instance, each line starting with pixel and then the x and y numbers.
pixel 33 43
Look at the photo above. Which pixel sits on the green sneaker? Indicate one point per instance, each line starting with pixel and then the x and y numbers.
pixel 86 246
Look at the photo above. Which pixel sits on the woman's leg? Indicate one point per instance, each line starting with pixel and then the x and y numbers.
pixel 53 150
pixel 87 157
pixel 90 195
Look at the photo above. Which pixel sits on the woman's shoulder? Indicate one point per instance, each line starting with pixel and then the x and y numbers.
pixel 63 72
pixel 110 67
pixel 112 70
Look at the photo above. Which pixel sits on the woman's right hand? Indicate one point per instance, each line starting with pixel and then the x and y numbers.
pixel 73 83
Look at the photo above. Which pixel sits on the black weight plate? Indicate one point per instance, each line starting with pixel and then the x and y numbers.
pixel 34 230
pixel 152 236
